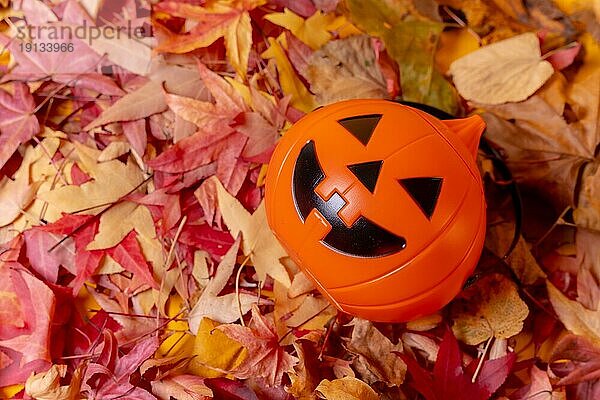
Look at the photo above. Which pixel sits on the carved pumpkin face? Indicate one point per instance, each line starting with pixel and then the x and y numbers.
pixel 381 205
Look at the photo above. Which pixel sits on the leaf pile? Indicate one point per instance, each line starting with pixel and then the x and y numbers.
pixel 135 257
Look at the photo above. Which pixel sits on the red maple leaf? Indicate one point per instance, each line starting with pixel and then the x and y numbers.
pixel 108 376
pixel 449 380
pixel 266 358
pixel 18 124
pixel 26 311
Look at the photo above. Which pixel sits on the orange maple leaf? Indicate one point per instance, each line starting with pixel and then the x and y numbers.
pixel 228 19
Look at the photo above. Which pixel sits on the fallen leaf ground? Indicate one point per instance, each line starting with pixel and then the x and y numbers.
pixel 136 260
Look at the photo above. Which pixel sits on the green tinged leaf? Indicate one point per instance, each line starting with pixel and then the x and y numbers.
pixel 411 40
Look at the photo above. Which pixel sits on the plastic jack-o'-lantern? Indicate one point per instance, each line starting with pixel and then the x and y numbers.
pixel 381 205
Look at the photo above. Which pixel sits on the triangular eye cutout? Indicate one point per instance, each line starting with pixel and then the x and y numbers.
pixel 367 173
pixel 362 126
pixel 424 191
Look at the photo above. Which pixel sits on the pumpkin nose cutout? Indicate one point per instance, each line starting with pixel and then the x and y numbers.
pixel 424 191
pixel 367 173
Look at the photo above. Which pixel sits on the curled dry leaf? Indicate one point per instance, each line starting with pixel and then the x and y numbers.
pixel 575 360
pixel 490 308
pixel 375 360
pixel 346 69
pixel 46 385
pixel 540 388
pixel 347 388
pixel 507 71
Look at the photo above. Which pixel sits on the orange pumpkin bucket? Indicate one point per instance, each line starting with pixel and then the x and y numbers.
pixel 381 205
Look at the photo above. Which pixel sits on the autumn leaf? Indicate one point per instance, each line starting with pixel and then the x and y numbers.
pixel 258 242
pixel 46 385
pixel 574 316
pixel 226 308
pixel 545 151
pixel 214 352
pixel 490 308
pixel 313 30
pixel 491 20
pixel 68 68
pixel 219 19
pixel 182 387
pixel 540 387
pixel 291 85
pixel 112 180
pixel 17 122
pixel 576 360
pixel 347 388
pixel 375 360
pixel 449 380
pixel 29 339
pixel 346 69
pixel 403 26
pixel 305 377
pixel 266 358
pixel 507 71
pixel 140 103
pixel 115 382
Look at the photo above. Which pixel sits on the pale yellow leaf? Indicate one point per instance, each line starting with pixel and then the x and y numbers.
pixel 347 388
pixel 576 318
pixel 46 385
pixel 223 309
pixel 117 222
pixel 507 71
pixel 113 150
pixel 258 241
pixel 15 196
pixel 111 181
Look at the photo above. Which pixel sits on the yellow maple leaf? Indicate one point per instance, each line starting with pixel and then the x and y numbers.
pixel 290 83
pixel 258 242
pixel 214 352
pixel 313 30
pixel 111 180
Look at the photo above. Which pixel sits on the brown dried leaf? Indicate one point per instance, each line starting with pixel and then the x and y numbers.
pixel 543 148
pixel 346 69
pixel 499 238
pixel 490 308
pixel 347 388
pixel 375 360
